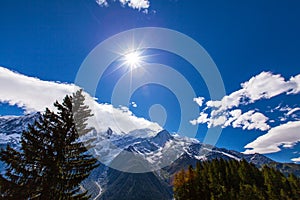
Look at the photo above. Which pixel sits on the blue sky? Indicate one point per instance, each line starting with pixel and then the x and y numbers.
pixel 50 40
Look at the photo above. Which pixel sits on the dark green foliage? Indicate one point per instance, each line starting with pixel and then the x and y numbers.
pixel 53 161
pixel 220 179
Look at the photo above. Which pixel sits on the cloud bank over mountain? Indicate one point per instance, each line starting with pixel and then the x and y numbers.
pixel 33 94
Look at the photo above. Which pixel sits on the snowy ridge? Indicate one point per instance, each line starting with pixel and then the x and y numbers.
pixel 11 127
pixel 158 148
pixel 161 150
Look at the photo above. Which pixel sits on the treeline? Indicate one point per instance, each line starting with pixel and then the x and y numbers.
pixel 220 179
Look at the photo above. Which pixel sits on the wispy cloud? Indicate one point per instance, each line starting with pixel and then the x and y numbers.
pixel 141 5
pixel 293 111
pixel 296 159
pixel 286 135
pixel 33 94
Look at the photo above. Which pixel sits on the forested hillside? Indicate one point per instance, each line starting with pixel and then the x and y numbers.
pixel 220 179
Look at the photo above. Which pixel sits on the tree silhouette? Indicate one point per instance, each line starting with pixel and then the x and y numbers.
pixel 53 161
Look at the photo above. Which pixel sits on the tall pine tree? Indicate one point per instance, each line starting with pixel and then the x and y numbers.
pixel 53 161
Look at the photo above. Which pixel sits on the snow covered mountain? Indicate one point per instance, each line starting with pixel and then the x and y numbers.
pixel 145 142
pixel 11 128
pixel 152 156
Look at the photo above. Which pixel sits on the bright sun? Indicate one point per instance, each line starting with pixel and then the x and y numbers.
pixel 133 59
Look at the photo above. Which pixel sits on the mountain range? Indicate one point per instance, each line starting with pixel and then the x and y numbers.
pixel 139 164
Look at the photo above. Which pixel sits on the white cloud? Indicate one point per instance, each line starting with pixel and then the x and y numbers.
pixel 265 86
pixel 235 118
pixel 262 86
pixel 284 109
pixel 102 2
pixel 295 82
pixel 120 120
pixel 227 102
pixel 30 93
pixel 133 104
pixel 283 135
pixel 135 4
pixel 199 101
pixel 288 145
pixel 234 115
pixel 251 120
pixel 296 159
pixel 202 119
pixel 33 94
pixel 217 121
pixel 292 111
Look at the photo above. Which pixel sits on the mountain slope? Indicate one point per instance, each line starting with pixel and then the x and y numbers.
pixel 135 186
pixel 11 128
pixel 127 155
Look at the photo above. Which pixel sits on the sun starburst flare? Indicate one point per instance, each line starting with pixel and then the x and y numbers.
pixel 133 59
